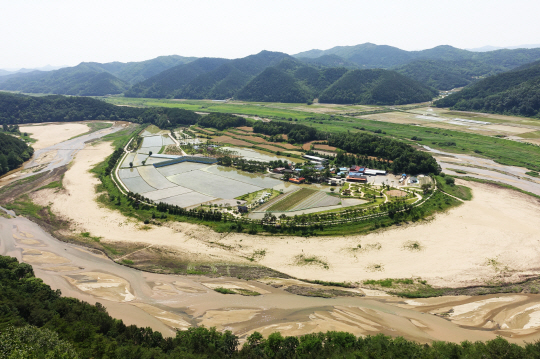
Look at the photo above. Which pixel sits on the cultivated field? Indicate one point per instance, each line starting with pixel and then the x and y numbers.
pixel 292 200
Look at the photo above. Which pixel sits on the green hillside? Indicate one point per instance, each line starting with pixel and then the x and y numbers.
pixel 167 82
pixel 274 85
pixel 376 87
pixel 515 92
pixel 446 75
pixel 290 81
pixel 81 80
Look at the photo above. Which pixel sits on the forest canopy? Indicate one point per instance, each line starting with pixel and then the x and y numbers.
pixel 13 152
pixel 19 109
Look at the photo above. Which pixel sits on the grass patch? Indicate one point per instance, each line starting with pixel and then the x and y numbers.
pixel 461 192
pixel 120 138
pixel 533 174
pixel 310 260
pixel 257 255
pixel 54 184
pixel 330 284
pixel 413 246
pixel 247 292
pixel 388 283
pixel 224 290
pixel 458 171
pixel 23 205
pixel 127 261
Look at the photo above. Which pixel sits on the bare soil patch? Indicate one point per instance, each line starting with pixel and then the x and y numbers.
pixel 396 193
pixel 232 141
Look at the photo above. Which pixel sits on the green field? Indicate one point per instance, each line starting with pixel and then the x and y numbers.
pixel 503 151
pixel 458 191
pixel 292 200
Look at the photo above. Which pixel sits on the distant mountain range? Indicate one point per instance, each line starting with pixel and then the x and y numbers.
pixel 4 72
pixel 338 74
pixel 493 48
pixel 90 78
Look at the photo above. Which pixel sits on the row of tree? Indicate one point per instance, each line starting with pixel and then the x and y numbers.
pixel 19 109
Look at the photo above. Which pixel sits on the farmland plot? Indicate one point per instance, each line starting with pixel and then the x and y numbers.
pixel 155 179
pixel 213 185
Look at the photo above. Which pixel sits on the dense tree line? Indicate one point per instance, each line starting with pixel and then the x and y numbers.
pixel 515 92
pixel 221 121
pixel 376 87
pixel 403 156
pixel 295 133
pixel 13 152
pixel 18 109
pixel 37 322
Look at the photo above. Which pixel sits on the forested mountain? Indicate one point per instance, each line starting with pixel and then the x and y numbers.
pixel 18 109
pixel 328 61
pixel 446 75
pixel 290 81
pixel 249 78
pixel 274 85
pixel 13 152
pixel 133 72
pixel 382 56
pixel 515 92
pixel 89 78
pixel 226 80
pixel 376 87
pixel 167 82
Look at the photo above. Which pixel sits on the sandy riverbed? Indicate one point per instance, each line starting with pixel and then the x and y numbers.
pixel 493 235
pixel 166 302
pixel 51 134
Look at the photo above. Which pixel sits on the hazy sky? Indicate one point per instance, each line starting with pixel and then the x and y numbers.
pixel 65 32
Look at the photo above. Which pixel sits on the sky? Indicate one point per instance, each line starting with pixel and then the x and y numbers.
pixel 36 33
